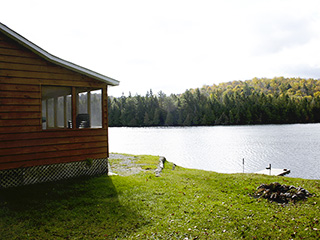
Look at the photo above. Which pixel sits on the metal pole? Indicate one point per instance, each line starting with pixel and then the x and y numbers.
pixel 269 169
pixel 243 165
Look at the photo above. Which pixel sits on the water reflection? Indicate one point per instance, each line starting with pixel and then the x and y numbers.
pixel 222 148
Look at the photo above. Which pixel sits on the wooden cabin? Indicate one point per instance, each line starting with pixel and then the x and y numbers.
pixel 51 111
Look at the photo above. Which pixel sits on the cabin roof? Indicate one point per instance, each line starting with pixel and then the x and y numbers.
pixel 53 59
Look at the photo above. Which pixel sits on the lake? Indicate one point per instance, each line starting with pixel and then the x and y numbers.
pixel 223 148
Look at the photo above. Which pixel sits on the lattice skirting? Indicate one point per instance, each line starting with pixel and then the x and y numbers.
pixel 37 174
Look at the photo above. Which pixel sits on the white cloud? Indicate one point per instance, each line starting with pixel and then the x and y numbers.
pixel 174 45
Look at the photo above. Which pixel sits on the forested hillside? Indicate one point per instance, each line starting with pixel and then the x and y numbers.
pixel 256 101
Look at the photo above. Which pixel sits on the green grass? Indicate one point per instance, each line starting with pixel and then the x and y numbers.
pixel 182 203
pixel 148 162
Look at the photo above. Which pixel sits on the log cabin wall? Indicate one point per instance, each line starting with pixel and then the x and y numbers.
pixel 23 142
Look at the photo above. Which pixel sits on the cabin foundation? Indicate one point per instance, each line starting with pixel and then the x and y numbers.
pixel 54 172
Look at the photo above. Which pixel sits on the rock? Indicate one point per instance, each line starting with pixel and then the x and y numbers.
pixel 160 166
pixel 281 193
pixel 173 166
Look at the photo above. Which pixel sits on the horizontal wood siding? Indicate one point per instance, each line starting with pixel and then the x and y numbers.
pixel 37 148
pixel 19 108
pixel 19 65
pixel 23 143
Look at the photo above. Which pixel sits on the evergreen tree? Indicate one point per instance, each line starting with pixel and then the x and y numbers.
pixel 256 101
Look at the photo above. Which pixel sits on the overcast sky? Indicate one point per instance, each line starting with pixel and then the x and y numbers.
pixel 174 45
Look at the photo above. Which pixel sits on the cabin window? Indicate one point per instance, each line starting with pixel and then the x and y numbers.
pixel 57 107
pixel 89 108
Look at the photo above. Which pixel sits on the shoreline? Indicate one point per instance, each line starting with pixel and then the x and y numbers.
pixel 126 165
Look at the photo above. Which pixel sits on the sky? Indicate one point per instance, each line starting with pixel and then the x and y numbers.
pixel 174 45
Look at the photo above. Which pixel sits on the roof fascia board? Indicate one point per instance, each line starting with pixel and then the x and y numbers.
pixel 44 54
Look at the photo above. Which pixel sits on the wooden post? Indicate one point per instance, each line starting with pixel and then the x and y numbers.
pixel 104 107
pixel 65 111
pixel 89 104
pixel 74 107
pixel 47 114
pixel 104 113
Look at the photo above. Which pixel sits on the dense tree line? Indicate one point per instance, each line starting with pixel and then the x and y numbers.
pixel 256 101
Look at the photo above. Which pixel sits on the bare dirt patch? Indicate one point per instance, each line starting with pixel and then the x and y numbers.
pixel 124 165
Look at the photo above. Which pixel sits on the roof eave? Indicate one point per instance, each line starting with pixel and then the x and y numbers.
pixel 51 58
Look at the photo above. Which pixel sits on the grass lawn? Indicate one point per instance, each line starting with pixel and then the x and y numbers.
pixel 181 204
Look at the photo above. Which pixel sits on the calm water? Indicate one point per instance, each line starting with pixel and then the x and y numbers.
pixel 222 148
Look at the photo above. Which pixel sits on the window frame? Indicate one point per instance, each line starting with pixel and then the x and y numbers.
pixel 74 108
